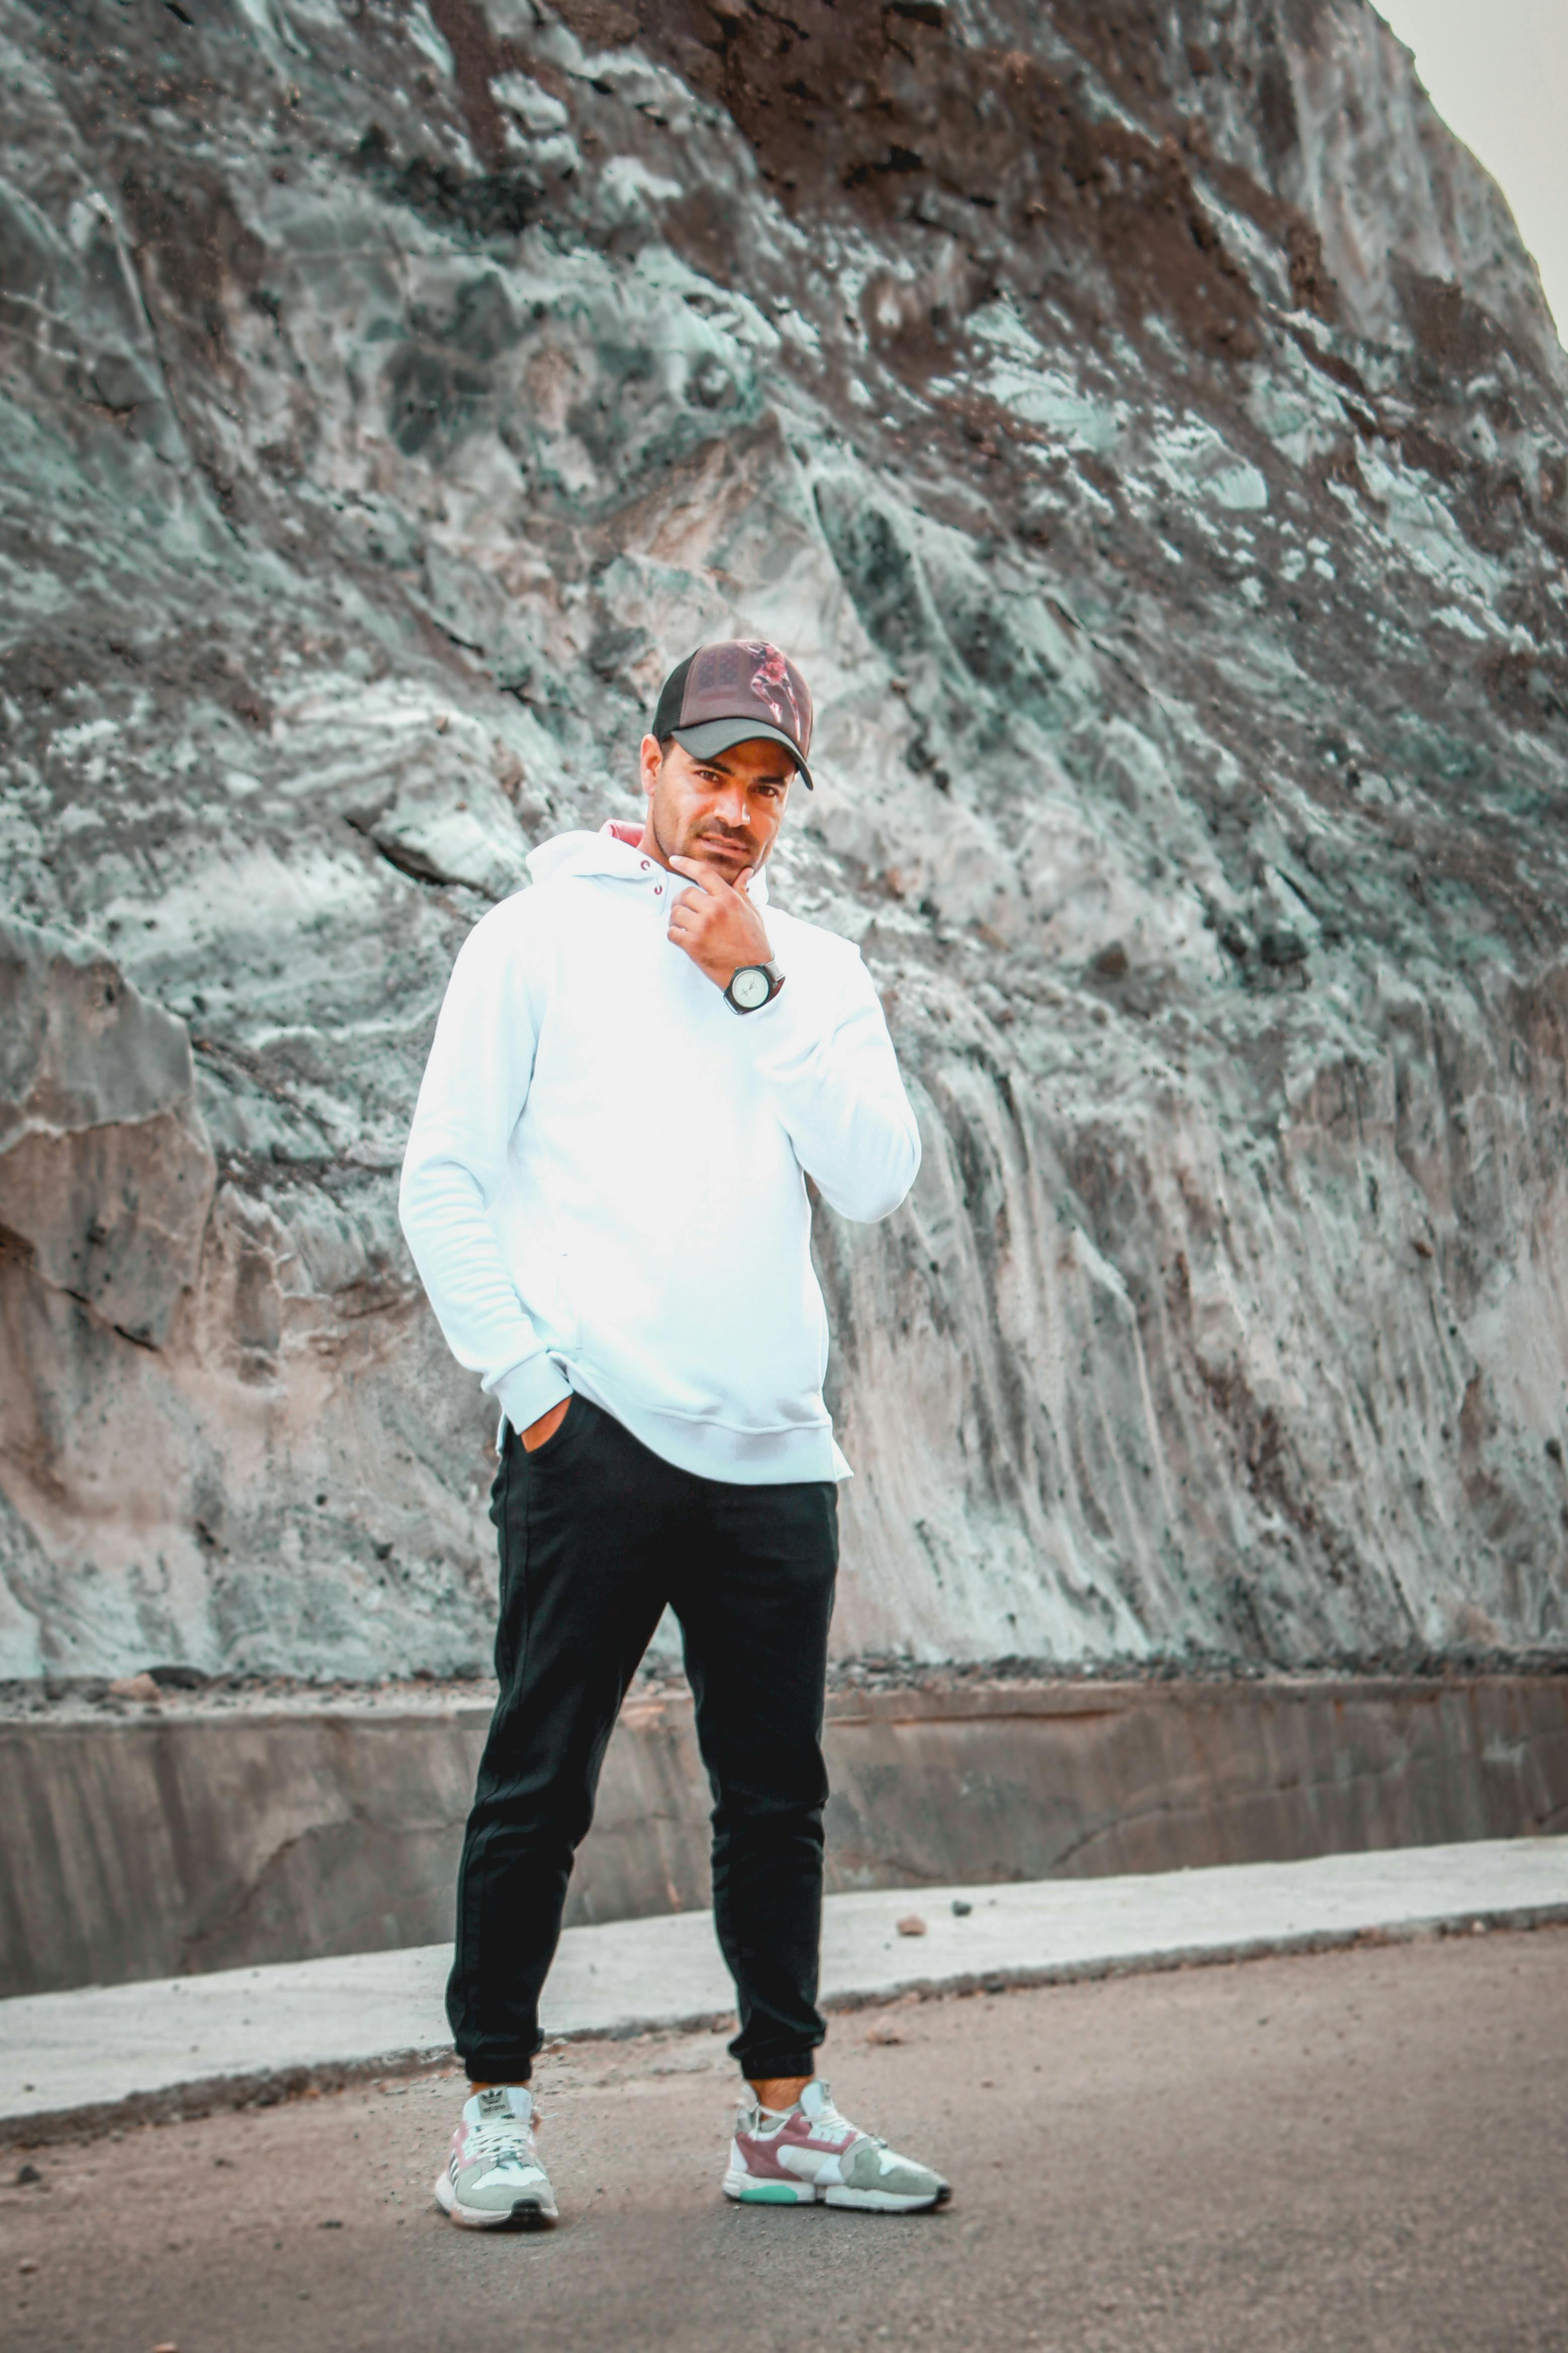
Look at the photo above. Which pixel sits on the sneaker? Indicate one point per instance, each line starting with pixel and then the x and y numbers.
pixel 493 2178
pixel 811 2155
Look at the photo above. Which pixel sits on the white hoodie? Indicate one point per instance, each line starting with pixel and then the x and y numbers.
pixel 604 1186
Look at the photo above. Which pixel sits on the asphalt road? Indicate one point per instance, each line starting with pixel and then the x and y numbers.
pixel 1363 2150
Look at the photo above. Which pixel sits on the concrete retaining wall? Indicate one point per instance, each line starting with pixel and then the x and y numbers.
pixel 193 1839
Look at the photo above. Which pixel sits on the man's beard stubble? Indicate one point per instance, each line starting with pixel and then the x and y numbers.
pixel 743 846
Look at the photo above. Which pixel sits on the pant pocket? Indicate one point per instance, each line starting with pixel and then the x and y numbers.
pixel 569 1423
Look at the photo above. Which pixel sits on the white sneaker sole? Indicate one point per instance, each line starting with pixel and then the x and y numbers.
pixel 746 2189
pixel 535 2210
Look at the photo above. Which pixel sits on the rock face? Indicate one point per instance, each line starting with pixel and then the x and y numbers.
pixel 1145 427
pixel 105 1174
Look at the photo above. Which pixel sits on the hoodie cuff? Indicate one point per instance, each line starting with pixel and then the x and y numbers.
pixel 528 1390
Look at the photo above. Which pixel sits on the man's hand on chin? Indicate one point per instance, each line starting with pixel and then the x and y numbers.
pixel 716 924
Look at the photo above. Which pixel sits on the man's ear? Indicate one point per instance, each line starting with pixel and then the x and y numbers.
pixel 649 762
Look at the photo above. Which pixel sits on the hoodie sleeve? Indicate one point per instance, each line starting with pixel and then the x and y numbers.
pixel 823 1046
pixel 475 1086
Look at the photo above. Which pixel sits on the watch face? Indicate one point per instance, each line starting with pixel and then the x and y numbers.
pixel 750 988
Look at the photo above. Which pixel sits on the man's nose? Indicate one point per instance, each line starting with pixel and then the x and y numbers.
pixel 730 809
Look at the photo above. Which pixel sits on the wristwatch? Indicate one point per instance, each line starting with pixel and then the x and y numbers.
pixel 752 986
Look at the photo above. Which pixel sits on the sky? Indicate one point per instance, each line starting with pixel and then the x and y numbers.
pixel 1497 71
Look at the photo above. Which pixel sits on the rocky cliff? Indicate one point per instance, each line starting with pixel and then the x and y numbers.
pixel 1144 425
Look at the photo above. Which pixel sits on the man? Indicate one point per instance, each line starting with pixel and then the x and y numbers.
pixel 637 1065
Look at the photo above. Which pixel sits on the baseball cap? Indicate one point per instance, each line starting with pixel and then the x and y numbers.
pixel 732 692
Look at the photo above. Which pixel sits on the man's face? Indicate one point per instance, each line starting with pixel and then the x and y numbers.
pixel 725 811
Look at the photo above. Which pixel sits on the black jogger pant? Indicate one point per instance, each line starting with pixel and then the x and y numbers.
pixel 596 1535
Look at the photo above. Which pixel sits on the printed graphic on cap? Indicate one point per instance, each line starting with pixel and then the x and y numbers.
pixel 774 689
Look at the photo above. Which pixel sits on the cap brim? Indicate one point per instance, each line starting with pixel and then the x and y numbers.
pixel 723 736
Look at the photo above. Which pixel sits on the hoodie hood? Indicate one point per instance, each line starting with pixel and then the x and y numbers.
pixel 614 850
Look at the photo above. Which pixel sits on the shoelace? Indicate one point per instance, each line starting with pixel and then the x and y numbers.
pixel 831 2115
pixel 830 2119
pixel 504 2142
